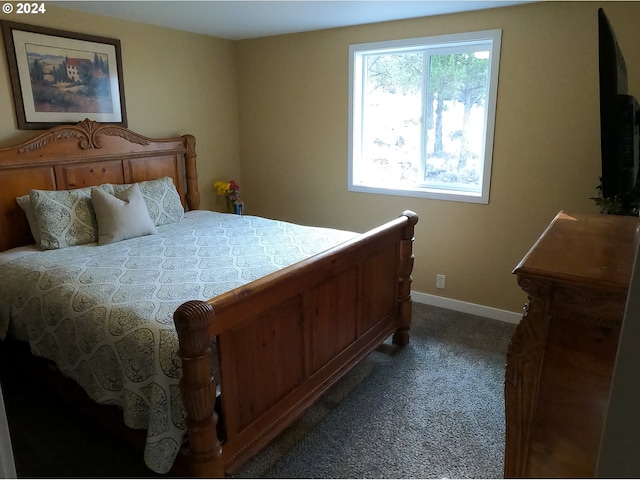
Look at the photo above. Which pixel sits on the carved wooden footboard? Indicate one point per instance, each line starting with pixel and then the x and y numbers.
pixel 283 340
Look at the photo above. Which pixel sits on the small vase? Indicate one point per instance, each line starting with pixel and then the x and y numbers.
pixel 231 206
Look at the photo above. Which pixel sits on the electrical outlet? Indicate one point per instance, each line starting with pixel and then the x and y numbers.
pixel 441 280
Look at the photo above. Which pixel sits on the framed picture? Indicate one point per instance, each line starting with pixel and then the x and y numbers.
pixel 63 77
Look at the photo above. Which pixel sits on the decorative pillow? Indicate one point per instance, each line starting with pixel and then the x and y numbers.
pixel 24 202
pixel 122 216
pixel 162 199
pixel 65 217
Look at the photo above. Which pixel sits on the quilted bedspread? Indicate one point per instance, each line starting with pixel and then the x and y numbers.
pixel 103 314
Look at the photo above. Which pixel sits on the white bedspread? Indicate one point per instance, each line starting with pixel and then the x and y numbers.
pixel 103 314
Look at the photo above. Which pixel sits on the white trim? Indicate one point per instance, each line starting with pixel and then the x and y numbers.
pixel 470 41
pixel 466 307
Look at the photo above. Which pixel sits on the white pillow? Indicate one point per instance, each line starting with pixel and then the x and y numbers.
pixel 24 202
pixel 121 216
pixel 162 199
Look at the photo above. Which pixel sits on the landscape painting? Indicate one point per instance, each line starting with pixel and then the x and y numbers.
pixel 63 77
pixel 69 80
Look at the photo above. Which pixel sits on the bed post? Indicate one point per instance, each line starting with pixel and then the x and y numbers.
pixel 193 194
pixel 198 388
pixel 401 335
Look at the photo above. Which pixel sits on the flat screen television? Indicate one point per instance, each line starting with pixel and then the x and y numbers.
pixel 619 117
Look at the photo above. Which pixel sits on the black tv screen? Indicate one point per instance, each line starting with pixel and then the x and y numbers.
pixel 619 136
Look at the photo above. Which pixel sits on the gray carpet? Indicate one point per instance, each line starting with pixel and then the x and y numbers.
pixel 433 409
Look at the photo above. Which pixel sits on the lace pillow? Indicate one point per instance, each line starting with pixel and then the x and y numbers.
pixel 121 216
pixel 65 217
pixel 162 200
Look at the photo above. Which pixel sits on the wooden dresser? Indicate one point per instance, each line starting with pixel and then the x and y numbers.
pixel 561 357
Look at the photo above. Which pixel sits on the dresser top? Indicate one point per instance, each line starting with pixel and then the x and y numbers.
pixel 590 249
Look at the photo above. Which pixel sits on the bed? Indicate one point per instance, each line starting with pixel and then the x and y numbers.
pixel 243 350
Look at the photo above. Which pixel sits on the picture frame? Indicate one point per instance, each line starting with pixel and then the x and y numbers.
pixel 59 77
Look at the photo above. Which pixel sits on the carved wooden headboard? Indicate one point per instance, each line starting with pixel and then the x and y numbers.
pixel 87 154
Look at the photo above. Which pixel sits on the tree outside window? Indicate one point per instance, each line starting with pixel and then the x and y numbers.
pixel 422 114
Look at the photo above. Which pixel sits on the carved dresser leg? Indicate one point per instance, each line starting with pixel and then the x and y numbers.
pixel 522 377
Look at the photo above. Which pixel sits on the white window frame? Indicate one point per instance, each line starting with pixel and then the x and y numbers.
pixel 489 39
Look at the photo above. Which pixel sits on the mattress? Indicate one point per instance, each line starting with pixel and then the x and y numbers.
pixel 103 314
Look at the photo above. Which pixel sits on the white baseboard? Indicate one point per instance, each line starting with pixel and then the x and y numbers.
pixel 466 307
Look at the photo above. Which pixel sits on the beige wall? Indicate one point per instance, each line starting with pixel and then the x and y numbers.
pixel 293 130
pixel 284 113
pixel 175 83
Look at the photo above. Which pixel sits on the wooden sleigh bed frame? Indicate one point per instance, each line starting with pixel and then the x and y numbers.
pixel 282 340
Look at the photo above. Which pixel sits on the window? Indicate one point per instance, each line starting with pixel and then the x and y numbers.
pixel 421 116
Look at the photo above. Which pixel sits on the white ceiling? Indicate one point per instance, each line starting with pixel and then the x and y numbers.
pixel 242 19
